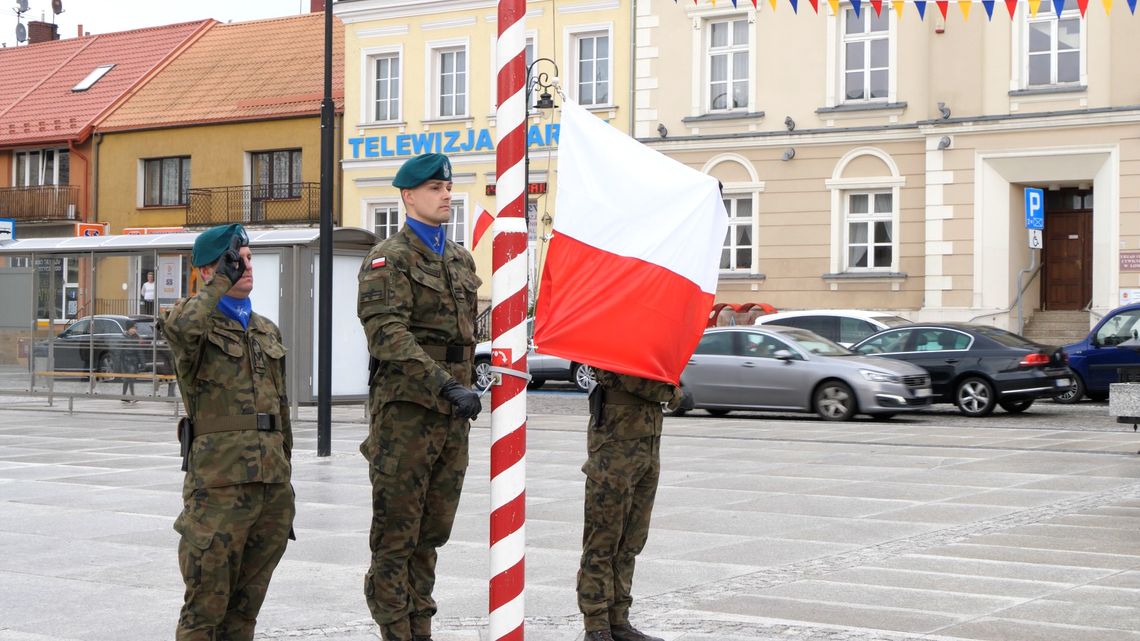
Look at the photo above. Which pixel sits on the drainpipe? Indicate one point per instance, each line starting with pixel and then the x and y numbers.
pixel 86 181
pixel 632 67
pixel 95 179
pixel 1020 290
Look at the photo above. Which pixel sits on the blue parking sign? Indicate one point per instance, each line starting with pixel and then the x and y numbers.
pixel 1034 208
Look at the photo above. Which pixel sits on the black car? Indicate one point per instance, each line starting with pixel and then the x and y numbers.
pixel 103 340
pixel 976 367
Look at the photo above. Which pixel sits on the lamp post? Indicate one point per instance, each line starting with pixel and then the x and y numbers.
pixel 543 81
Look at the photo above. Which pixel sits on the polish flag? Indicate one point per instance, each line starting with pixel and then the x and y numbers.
pixel 631 271
pixel 483 220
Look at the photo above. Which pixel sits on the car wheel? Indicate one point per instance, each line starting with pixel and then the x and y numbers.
pixel 535 383
pixel 1075 393
pixel 1016 407
pixel 482 375
pixel 583 376
pixel 834 401
pixel 718 412
pixel 975 397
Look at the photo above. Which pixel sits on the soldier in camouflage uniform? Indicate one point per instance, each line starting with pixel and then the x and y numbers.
pixel 622 469
pixel 237 501
pixel 418 305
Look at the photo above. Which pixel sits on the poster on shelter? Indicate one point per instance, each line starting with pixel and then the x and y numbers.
pixel 169 277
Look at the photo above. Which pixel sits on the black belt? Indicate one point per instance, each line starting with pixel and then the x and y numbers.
pixel 450 353
pixel 235 423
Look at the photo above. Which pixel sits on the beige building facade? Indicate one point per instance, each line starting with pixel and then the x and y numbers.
pixel 420 77
pixel 881 162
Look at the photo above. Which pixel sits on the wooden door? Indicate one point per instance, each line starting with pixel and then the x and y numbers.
pixel 1067 260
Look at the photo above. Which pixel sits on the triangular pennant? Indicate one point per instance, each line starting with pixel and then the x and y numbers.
pixel 1107 7
pixel 856 5
pixel 795 6
pixel 877 5
pixel 483 221
pixel 920 5
pixel 1058 6
pixel 834 4
pixel 815 5
pixel 773 3
pixel 753 4
pixel 1012 6
pixel 1083 5
pixel 964 5
pixel 1132 6
pixel 989 5
pixel 943 5
pixel 1033 6
pixel 733 4
pixel 898 5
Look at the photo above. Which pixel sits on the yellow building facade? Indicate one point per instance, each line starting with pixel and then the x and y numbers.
pixel 420 77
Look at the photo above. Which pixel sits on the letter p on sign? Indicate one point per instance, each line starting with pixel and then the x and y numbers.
pixel 1034 208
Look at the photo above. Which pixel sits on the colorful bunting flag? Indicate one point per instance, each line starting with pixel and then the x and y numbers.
pixel 815 5
pixel 856 5
pixel 920 5
pixel 834 4
pixel 773 3
pixel 795 6
pixel 1107 7
pixel 964 5
pixel 1058 6
pixel 1083 5
pixel 943 5
pixel 1132 6
pixel 989 5
pixel 1034 5
pixel 1012 6
pixel 877 5
pixel 898 5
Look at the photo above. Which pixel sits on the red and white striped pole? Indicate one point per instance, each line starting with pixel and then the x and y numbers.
pixel 509 300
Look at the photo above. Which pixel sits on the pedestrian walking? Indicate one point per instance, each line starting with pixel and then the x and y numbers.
pixel 131 358
pixel 417 302
pixel 146 294
pixel 622 469
pixel 236 443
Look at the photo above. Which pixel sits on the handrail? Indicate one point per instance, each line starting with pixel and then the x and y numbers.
pixel 1021 290
pixel 1088 308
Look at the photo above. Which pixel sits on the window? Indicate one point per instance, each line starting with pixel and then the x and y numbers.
pixel 716 344
pixel 385 219
pixel 887 343
pixel 93 77
pixel 592 68
pixel 728 65
pixel 42 167
pixel 865 55
pixel 870 230
pixel 386 87
pixel 1053 51
pixel 737 252
pixel 763 346
pixel 1117 329
pixel 853 330
pixel 166 181
pixel 451 82
pixel 825 326
pixel 276 174
pixel 457 226
pixel 940 340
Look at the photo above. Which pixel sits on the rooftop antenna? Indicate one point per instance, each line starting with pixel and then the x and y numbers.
pixel 21 31
pixel 56 9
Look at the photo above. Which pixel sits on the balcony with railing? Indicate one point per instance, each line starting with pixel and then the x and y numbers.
pixel 275 204
pixel 42 202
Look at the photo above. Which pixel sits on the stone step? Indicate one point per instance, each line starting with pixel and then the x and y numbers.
pixel 1054 331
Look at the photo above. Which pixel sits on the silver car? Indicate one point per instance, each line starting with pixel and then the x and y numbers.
pixel 785 369
pixel 542 367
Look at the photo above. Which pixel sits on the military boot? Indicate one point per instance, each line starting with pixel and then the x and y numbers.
pixel 627 632
pixel 598 635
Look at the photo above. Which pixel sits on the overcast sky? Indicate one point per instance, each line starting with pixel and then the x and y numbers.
pixel 104 16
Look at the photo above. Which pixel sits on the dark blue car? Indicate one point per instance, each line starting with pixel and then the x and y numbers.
pixel 1096 359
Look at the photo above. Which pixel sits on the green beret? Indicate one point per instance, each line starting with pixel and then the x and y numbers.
pixel 421 169
pixel 212 243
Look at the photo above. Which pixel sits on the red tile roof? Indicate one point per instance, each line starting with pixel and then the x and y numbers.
pixel 37 104
pixel 242 71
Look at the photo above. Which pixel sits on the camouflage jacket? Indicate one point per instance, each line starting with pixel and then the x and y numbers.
pixel 632 408
pixel 239 372
pixel 410 297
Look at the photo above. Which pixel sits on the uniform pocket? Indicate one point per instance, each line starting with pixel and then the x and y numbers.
pixel 430 281
pixel 195 533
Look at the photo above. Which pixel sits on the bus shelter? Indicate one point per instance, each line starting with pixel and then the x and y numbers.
pixel 77 320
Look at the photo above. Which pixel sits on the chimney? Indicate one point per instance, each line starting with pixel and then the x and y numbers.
pixel 316 6
pixel 80 32
pixel 39 31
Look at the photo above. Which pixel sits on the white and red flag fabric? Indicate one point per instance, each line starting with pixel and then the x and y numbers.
pixel 631 270
pixel 483 220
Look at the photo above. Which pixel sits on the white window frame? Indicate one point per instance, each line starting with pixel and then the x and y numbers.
pixel 571 37
pixel 728 51
pixel 841 187
pixel 434 51
pixel 1021 51
pixel 531 46
pixel 41 160
pixel 368 215
pixel 836 59
pixel 369 59
pixel 736 221
pixel 459 233
pixel 870 219
pixel 865 38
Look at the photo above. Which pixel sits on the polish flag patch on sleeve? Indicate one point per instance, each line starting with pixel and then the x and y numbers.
pixel 377 263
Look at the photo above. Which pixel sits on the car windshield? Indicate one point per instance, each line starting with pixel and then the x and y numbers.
pixel 1009 339
pixel 892 321
pixel 816 344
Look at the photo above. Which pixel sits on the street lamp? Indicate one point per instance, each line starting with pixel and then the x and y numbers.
pixel 542 81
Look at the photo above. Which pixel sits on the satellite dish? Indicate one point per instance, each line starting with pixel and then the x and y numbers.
pixel 21 6
pixel 57 7
pixel 21 32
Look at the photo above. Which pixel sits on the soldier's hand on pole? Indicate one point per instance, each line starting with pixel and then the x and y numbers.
pixel 231 264
pixel 465 401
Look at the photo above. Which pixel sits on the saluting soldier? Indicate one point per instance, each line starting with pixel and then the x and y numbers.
pixel 418 306
pixel 622 470
pixel 237 500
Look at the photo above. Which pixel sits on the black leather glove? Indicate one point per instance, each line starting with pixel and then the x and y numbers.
pixel 465 401
pixel 231 264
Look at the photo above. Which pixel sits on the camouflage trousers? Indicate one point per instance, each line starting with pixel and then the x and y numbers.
pixel 621 484
pixel 418 458
pixel 232 539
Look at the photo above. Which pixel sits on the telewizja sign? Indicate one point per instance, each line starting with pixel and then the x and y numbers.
pixel 443 142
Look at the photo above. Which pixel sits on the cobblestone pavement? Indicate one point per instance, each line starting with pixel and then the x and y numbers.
pixel 931 526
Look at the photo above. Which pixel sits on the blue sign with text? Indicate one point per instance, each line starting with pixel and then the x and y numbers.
pixel 7 228
pixel 1034 208
pixel 443 142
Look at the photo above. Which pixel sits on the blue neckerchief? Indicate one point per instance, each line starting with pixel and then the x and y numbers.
pixel 433 237
pixel 238 309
